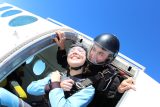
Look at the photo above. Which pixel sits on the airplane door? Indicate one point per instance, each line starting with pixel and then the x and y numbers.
pixel 147 93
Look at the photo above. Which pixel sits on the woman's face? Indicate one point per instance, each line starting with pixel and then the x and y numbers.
pixel 76 56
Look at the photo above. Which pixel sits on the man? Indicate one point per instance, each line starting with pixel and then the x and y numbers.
pixel 100 72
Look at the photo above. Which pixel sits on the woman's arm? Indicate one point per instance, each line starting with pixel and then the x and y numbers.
pixel 79 99
pixel 57 97
pixel 38 87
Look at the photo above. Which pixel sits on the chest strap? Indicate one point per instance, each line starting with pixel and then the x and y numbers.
pixel 105 75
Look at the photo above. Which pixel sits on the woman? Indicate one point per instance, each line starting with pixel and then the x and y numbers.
pixel 58 97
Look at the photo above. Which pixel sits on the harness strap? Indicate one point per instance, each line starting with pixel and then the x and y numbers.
pixel 83 84
pixel 23 104
pixel 106 75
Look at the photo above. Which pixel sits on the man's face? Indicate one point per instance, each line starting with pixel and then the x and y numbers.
pixel 97 55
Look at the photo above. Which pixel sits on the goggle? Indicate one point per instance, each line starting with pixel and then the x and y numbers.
pixel 77 49
pixel 98 55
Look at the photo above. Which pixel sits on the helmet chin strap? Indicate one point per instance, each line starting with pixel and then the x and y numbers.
pixel 76 68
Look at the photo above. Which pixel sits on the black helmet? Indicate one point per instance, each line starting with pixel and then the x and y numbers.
pixel 108 42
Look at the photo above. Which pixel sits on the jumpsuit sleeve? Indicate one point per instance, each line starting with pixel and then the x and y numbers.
pixel 119 95
pixel 80 99
pixel 112 92
pixel 62 58
pixel 113 95
pixel 38 87
pixel 8 99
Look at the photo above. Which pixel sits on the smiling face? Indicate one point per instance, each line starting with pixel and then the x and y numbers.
pixel 76 56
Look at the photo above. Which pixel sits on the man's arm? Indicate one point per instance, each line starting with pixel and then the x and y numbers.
pixel 62 57
pixel 61 53
pixel 126 84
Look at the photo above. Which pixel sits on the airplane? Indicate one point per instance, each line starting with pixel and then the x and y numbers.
pixel 28 53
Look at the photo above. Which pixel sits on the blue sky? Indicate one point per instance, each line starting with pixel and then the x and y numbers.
pixel 136 23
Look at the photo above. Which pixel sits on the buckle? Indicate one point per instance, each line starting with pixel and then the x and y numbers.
pixel 79 85
pixel 101 74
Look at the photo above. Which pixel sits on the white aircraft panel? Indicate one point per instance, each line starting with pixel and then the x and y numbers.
pixel 147 93
pixel 14 36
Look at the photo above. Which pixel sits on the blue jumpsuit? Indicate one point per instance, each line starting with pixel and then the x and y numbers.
pixel 57 98
pixel 8 99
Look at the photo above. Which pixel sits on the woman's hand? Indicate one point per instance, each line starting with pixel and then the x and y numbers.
pixel 67 84
pixel 55 76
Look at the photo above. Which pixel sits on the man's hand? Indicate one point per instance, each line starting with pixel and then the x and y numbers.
pixel 67 84
pixel 126 85
pixel 60 40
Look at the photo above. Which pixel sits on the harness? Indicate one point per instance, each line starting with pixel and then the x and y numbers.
pixel 104 79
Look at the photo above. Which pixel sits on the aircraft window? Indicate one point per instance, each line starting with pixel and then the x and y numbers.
pixel 39 67
pixel 22 20
pixel 5 8
pixel 10 13
pixel 29 60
